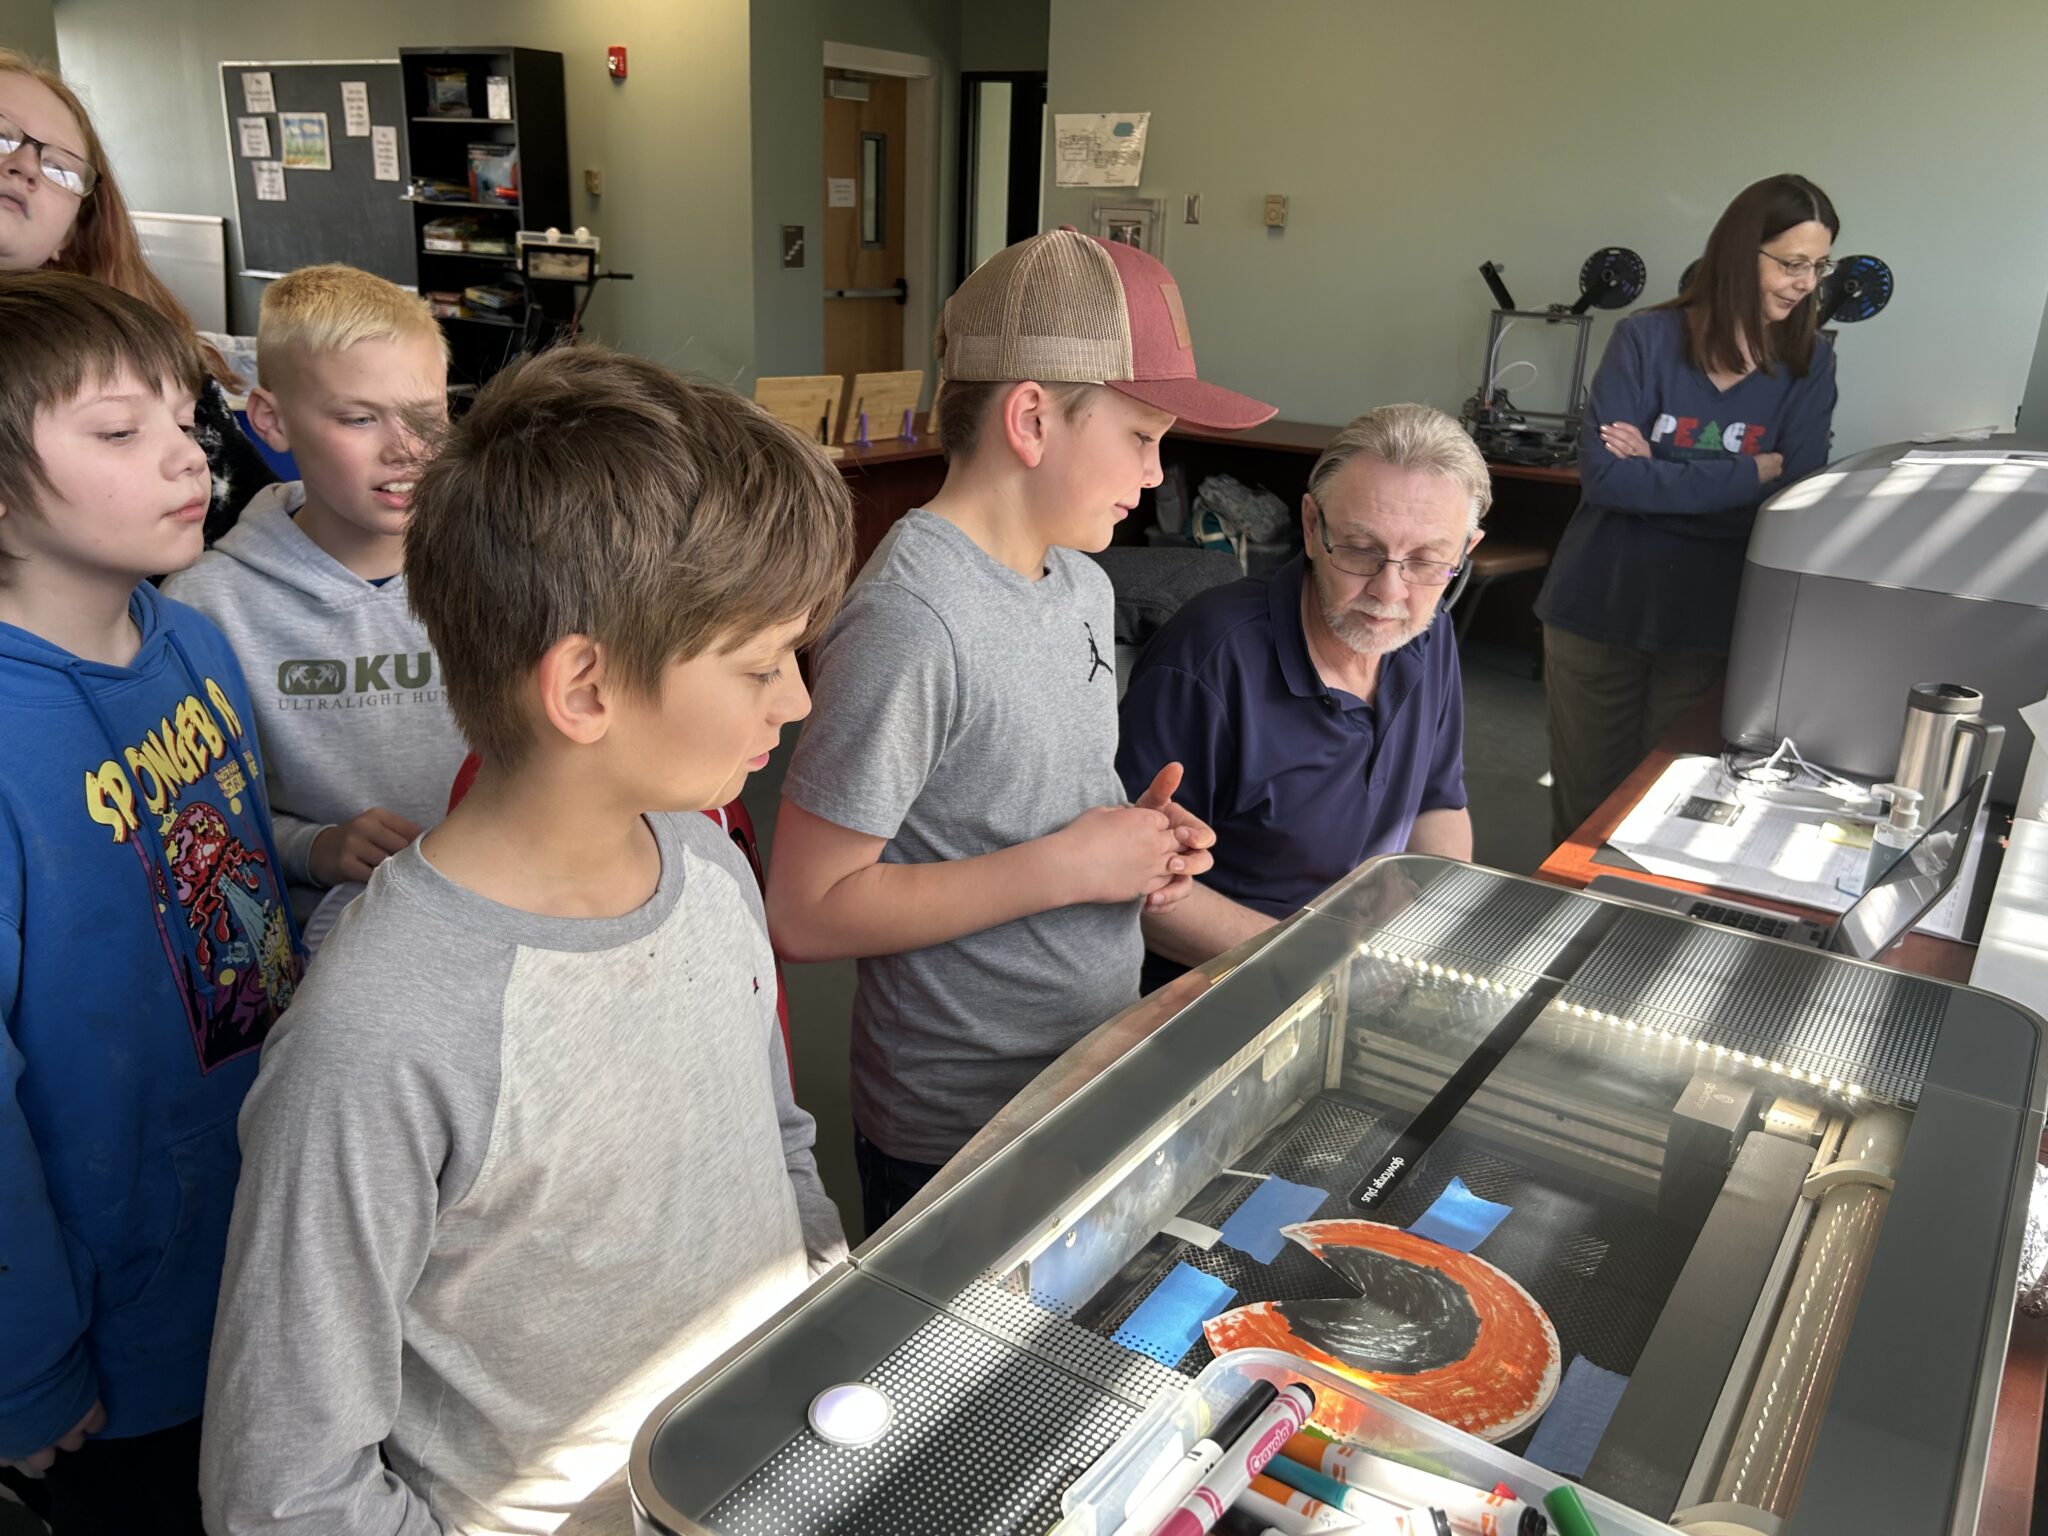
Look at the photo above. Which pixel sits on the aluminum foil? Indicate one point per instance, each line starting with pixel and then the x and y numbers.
pixel 2034 1251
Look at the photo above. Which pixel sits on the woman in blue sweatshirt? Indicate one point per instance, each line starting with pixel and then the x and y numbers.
pixel 1699 410
pixel 145 945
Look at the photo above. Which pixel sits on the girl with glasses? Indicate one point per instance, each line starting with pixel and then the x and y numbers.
pixel 61 207
pixel 1700 409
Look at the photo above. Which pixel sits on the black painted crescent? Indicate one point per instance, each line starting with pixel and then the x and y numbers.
pixel 1450 1335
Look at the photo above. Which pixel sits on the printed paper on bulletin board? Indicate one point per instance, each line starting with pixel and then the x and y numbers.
pixel 1099 149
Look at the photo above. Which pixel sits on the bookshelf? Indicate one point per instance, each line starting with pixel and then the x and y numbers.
pixel 492 105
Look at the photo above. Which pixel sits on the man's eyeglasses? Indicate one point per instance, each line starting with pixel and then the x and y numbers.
pixel 61 168
pixel 1354 561
pixel 1800 266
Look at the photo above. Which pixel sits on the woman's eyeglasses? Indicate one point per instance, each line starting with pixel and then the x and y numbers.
pixel 1800 266
pixel 61 168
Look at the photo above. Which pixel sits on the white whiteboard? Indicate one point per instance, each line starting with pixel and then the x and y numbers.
pixel 189 251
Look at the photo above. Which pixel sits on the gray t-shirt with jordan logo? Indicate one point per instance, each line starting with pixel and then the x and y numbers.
pixel 959 709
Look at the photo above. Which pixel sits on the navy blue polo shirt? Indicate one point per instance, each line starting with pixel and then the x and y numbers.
pixel 1302 782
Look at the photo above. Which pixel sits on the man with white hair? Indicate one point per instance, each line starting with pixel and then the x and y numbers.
pixel 1318 711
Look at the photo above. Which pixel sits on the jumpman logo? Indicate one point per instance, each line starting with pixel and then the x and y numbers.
pixel 1095 661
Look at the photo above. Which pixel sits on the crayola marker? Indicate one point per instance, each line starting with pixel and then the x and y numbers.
pixel 1361 1505
pixel 1299 1515
pixel 1280 1509
pixel 1570 1515
pixel 1157 1502
pixel 1472 1511
pixel 1243 1461
pixel 1295 1514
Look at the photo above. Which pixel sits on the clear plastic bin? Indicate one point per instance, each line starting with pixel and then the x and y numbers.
pixel 1094 1505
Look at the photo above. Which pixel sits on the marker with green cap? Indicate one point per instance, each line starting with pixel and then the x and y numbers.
pixel 1568 1513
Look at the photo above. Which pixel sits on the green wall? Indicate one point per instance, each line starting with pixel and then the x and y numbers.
pixel 2034 413
pixel 670 139
pixel 1417 141
pixel 788 64
pixel 29 26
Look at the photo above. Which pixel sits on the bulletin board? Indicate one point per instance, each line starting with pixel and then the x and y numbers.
pixel 343 213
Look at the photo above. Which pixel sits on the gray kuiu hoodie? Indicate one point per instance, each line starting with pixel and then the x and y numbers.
pixel 350 711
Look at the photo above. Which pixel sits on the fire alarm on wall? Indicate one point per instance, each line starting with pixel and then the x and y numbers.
pixel 615 63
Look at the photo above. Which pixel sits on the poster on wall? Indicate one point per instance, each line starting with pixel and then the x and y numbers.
pixel 1099 149
pixel 254 134
pixel 269 181
pixel 257 95
pixel 355 108
pixel 384 153
pixel 306 145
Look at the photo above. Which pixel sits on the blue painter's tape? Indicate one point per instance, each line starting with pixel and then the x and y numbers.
pixel 1254 1227
pixel 1571 1430
pixel 1460 1219
pixel 1166 1322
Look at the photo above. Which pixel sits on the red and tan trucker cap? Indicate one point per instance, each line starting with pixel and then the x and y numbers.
pixel 1067 308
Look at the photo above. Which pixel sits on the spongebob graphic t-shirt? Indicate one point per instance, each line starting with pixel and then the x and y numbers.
pixel 145 951
pixel 1653 556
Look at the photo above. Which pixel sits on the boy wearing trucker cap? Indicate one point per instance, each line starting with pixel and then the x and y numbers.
pixel 952 818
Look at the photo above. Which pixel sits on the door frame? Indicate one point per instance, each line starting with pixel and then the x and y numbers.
pixel 921 196
pixel 1022 146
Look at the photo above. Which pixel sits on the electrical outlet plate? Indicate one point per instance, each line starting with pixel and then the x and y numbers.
pixel 1276 211
pixel 593 181
pixel 1194 207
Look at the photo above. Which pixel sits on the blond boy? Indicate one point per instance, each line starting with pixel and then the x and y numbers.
pixel 350 705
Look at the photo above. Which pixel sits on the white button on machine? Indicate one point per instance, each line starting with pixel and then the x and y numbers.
pixel 852 1414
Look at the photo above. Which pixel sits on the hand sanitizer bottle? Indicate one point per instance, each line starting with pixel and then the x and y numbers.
pixel 1890 838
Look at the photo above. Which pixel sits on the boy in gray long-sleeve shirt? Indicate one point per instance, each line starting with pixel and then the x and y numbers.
pixel 523 1156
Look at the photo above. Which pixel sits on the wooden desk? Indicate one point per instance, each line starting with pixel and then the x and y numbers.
pixel 1307 439
pixel 1696 733
pixel 1296 437
pixel 1531 502
pixel 888 478
pixel 2009 1477
pixel 892 476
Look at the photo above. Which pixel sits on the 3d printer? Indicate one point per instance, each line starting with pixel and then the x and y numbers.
pixel 1611 278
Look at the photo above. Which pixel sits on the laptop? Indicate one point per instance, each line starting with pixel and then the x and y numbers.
pixel 1880 917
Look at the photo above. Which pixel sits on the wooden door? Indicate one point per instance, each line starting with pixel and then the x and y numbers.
pixel 863 245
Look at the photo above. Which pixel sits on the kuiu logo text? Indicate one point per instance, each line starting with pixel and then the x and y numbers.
pixel 372 674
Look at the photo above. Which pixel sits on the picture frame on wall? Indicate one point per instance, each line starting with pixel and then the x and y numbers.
pixel 1133 221
pixel 307 146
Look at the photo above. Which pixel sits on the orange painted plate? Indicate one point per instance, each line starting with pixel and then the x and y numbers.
pixel 1494 1389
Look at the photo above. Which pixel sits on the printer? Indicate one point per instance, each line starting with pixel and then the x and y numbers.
pixel 1900 565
